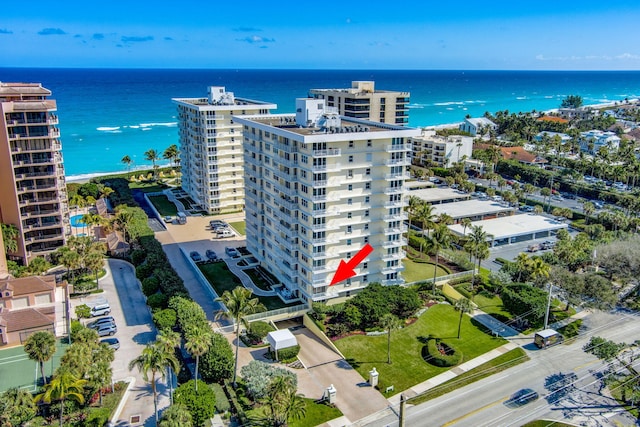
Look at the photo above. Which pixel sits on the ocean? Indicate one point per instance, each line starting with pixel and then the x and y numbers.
pixel 106 114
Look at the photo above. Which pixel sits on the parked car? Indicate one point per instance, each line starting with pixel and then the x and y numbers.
pixel 216 223
pixel 569 196
pixel 168 218
pixel 598 205
pixel 107 329
pixel 526 208
pixel 113 343
pixel 547 244
pixel 533 248
pixel 524 396
pixel 211 255
pixel 100 310
pixel 101 321
pixel 232 252
pixel 195 256
pixel 224 233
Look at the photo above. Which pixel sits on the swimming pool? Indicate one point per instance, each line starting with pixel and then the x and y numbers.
pixel 76 221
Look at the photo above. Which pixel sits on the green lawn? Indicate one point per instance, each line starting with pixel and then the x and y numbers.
pixel 417 271
pixel 491 304
pixel 221 279
pixel 315 414
pixel 163 205
pixel 239 227
pixel 147 186
pixel 408 367
pixel 505 361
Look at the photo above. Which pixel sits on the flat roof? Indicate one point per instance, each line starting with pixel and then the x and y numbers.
pixel 439 194
pixel 511 226
pixel 237 102
pixel 469 208
pixel 411 185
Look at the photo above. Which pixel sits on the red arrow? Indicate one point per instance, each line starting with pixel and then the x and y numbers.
pixel 345 269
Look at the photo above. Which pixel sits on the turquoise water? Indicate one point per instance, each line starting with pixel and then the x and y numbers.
pixel 76 221
pixel 106 114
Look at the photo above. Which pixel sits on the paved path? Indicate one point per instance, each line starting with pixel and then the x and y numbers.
pixel 232 263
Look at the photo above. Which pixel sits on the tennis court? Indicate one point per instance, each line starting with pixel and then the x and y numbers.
pixel 16 370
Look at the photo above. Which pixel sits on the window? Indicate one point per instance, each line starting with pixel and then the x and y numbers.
pixel 366 239
pixel 349 229
pixel 367 199
pixel 350 144
pixel 366 214
pixel 367 186
pixel 368 143
pixel 350 159
pixel 367 171
pixel 369 157
pixel 349 201
pixel 348 242
pixel 366 226
pixel 365 265
pixel 351 187
pixel 349 214
pixel 350 173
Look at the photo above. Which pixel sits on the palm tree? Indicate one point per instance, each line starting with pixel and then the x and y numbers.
pixel 198 343
pixel 127 161
pixel 41 346
pixel 463 305
pixel 171 153
pixel 477 239
pixel 123 220
pixel 153 360
pixel 413 208
pixel 389 322
pixel 465 222
pixel 588 208
pixel 78 201
pixel 152 156
pixel 94 261
pixel 10 237
pixel 176 415
pixel 239 304
pixel 427 218
pixel 539 269
pixel 440 239
pixel 17 407
pixel 170 340
pixel 63 386
pixel 522 263
pixel 100 373
pixel 282 402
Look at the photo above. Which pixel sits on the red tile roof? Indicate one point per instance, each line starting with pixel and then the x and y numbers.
pixel 28 285
pixel 28 318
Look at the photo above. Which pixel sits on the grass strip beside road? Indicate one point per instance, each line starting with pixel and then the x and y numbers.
pixel 505 361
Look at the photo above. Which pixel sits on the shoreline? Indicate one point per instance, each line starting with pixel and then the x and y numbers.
pixel 86 177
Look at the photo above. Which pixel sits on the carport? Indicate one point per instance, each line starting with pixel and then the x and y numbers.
pixel 280 339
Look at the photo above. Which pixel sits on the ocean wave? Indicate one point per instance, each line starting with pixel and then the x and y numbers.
pixel 440 104
pixel 166 124
pixel 108 128
pixel 134 127
pixel 416 106
pixel 522 97
pixel 146 128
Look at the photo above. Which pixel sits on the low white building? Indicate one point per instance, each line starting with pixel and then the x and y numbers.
pixel 599 139
pixel 513 229
pixel 441 150
pixel 478 125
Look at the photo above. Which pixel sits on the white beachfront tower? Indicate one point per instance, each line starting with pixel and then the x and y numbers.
pixel 318 188
pixel 211 148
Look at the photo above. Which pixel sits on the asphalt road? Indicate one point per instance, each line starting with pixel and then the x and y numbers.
pixel 484 403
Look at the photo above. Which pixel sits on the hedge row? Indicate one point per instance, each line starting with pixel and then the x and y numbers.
pixel 286 355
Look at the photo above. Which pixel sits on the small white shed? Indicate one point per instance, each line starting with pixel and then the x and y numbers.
pixel 280 339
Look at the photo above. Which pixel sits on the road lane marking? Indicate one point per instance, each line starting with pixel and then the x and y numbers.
pixel 452 422
pixel 584 365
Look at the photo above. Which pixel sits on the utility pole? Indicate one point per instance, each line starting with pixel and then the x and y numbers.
pixel 546 313
pixel 403 403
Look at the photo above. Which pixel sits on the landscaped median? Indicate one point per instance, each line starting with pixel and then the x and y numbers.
pixel 408 367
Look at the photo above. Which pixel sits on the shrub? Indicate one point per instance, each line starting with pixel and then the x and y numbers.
pixel 257 376
pixel 83 311
pixel 441 354
pixel 143 271
pixel 165 319
pixel 150 286
pixel 260 329
pixel 524 300
pixel 156 301
pixel 216 365
pixel 138 256
pixel 286 355
pixel 201 404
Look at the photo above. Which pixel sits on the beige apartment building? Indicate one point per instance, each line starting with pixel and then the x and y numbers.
pixel 34 194
pixel 363 101
pixel 211 148
pixel 441 151
pixel 319 187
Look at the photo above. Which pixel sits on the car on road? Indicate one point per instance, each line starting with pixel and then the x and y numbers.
pixel 569 196
pixel 195 256
pixel 526 208
pixel 533 248
pixel 101 321
pixel 557 198
pixel 107 329
pixel 113 343
pixel 211 255
pixel 232 252
pixel 523 396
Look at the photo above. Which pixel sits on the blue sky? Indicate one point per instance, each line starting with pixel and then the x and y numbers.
pixel 425 34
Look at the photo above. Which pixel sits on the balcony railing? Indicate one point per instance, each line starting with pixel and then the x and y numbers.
pixel 399 147
pixel 398 175
pixel 330 152
pixel 394 243
pixel 398 162
pixel 393 190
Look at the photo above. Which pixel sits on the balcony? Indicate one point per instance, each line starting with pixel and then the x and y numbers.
pixel 398 175
pixel 394 243
pixel 326 168
pixel 394 204
pixel 289 204
pixel 396 217
pixel 393 190
pixel 331 152
pixel 323 227
pixel 398 147
pixel 317 184
pixel 398 162
pixel 396 230
pixel 392 282
pixel 285 148
pixel 391 257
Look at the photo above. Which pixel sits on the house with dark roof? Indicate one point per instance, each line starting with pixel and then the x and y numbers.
pixel 27 305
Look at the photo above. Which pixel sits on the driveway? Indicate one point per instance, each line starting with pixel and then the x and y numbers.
pixel 135 330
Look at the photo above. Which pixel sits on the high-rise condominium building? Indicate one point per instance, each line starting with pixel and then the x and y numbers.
pixel 211 148
pixel 34 194
pixel 363 101
pixel 441 151
pixel 319 187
